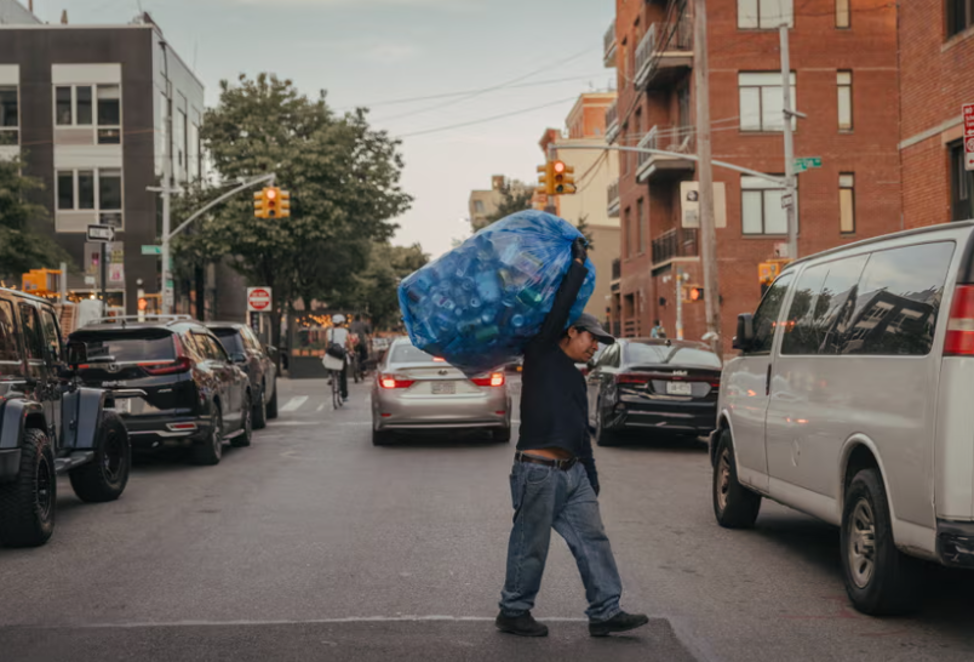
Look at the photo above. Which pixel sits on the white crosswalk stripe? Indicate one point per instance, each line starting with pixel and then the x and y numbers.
pixel 294 403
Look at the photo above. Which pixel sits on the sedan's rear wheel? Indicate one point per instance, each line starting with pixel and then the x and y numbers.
pixel 603 436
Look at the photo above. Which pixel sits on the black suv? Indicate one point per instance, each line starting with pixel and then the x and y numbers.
pixel 49 425
pixel 183 389
pixel 246 351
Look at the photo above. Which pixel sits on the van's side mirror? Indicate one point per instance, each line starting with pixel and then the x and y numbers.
pixel 745 332
pixel 77 354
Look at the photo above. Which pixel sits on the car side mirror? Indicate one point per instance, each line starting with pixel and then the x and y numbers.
pixel 77 354
pixel 238 357
pixel 745 332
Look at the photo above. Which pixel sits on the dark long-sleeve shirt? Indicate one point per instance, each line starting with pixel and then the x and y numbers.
pixel 554 401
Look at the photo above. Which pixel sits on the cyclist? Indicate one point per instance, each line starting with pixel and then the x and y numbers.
pixel 339 335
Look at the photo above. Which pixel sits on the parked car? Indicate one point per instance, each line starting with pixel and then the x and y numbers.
pixel 49 425
pixel 246 350
pixel 185 389
pixel 649 384
pixel 850 401
pixel 416 391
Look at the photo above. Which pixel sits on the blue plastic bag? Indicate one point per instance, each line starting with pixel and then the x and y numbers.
pixel 479 305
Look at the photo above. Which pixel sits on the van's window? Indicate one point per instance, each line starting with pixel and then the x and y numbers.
pixel 10 358
pixel 821 309
pixel 899 300
pixel 801 335
pixel 766 318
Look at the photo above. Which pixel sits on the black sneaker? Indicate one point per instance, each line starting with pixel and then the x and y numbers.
pixel 621 622
pixel 523 625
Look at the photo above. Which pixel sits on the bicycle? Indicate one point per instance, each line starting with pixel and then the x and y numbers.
pixel 337 400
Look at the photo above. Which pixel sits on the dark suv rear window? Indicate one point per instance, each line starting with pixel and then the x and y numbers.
pixel 230 339
pixel 128 347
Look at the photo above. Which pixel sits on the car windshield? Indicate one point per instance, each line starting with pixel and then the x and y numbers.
pixel 404 353
pixel 230 339
pixel 128 347
pixel 675 354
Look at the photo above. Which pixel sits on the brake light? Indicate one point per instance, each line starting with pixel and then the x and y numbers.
pixel 182 364
pixel 495 379
pixel 395 381
pixel 439 359
pixel 960 327
pixel 629 378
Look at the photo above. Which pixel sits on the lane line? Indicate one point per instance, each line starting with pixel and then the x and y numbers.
pixel 320 407
pixel 294 403
pixel 316 621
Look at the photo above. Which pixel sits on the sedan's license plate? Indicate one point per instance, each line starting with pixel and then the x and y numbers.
pixel 679 388
pixel 444 388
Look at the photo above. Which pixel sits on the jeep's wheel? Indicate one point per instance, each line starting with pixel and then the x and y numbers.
pixel 260 410
pixel 272 403
pixel 105 478
pixel 210 451
pixel 735 506
pixel 247 426
pixel 27 503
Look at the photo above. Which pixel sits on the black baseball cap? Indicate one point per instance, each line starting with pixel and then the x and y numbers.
pixel 587 322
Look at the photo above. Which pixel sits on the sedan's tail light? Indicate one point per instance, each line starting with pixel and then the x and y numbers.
pixel 495 379
pixel 631 378
pixel 395 381
pixel 960 326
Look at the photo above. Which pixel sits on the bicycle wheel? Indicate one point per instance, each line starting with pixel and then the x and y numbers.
pixel 336 389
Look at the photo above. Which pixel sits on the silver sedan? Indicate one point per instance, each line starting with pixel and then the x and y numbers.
pixel 416 391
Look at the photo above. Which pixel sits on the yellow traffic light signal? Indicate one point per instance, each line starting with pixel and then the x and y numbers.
pixel 285 203
pixel 547 179
pixel 272 202
pixel 564 181
pixel 259 210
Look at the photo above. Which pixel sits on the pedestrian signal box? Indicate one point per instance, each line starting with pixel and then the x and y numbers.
pixel 692 293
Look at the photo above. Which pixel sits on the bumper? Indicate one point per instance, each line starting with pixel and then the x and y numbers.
pixel 9 464
pixel 691 417
pixel 955 544
pixel 153 432
pixel 472 411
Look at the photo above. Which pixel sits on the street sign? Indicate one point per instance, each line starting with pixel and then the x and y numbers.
pixel 787 200
pixel 151 250
pixel 90 280
pixel 803 164
pixel 969 136
pixel 101 233
pixel 258 299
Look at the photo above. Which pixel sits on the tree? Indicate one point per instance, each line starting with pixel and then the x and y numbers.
pixel 344 183
pixel 376 288
pixel 586 231
pixel 23 244
pixel 515 196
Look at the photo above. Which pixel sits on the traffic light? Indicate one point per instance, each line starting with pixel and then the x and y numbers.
pixel 259 211
pixel 564 183
pixel 272 202
pixel 547 180
pixel 285 203
pixel 143 304
pixel 692 293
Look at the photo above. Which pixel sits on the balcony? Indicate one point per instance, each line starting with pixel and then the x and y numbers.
pixel 671 139
pixel 612 198
pixel 612 122
pixel 609 52
pixel 664 54
pixel 675 243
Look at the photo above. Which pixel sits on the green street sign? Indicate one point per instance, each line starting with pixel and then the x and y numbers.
pixel 152 250
pixel 806 163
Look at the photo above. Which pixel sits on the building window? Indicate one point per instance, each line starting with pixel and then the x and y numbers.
pixel 9 118
pixel 83 190
pixel 761 210
pixel 478 206
pixel 195 165
pixel 962 185
pixel 764 14
pixel 761 102
pixel 847 203
pixel 627 233
pixel 843 17
pixel 109 115
pixel 640 240
pixel 844 81
pixel 74 106
pixel 180 139
pixel 960 16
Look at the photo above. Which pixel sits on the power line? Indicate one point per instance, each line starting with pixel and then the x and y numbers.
pixel 487 119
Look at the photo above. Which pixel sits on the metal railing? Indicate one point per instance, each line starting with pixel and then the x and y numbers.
pixel 644 55
pixel 670 138
pixel 612 121
pixel 678 242
pixel 664 37
pixel 612 198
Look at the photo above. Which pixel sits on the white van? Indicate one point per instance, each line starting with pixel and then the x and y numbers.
pixel 853 401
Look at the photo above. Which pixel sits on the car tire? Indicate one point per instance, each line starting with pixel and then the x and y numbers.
pixel 27 503
pixel 210 452
pixel 879 579
pixel 259 416
pixel 603 436
pixel 735 506
pixel 104 479
pixel 243 439
pixel 501 435
pixel 381 437
pixel 272 403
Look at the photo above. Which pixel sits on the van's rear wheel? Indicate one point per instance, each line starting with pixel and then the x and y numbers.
pixel 879 579
pixel 735 506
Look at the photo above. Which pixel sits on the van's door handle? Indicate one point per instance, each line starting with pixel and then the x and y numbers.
pixel 767 382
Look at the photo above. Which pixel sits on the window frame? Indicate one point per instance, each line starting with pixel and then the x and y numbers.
pixel 790 12
pixel 843 8
pixel 954 25
pixel 8 130
pixel 640 233
pixel 851 187
pixel 841 87
pixel 764 126
pixel 98 174
pixel 764 189
pixel 104 134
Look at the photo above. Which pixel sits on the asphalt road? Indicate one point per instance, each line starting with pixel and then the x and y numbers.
pixel 314 545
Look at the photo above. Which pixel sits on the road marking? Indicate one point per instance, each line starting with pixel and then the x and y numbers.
pixel 294 403
pixel 322 621
pixel 320 407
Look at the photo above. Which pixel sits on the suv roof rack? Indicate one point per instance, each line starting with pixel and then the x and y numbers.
pixel 145 317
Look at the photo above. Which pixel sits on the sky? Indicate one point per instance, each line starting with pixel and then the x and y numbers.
pixel 373 52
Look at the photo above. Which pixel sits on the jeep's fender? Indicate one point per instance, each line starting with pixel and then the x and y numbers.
pixel 15 413
pixel 81 412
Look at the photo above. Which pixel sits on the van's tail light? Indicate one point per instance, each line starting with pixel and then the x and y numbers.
pixel 495 379
pixel 183 363
pixel 631 378
pixel 960 327
pixel 395 381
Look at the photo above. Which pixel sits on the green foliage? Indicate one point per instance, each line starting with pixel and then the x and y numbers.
pixel 586 231
pixel 24 244
pixel 375 289
pixel 515 196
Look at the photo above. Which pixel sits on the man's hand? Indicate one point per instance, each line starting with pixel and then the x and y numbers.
pixel 579 250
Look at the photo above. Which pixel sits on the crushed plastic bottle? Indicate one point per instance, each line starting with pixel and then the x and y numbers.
pixel 480 304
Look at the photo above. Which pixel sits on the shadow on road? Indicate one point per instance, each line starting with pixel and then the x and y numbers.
pixel 657 441
pixel 446 439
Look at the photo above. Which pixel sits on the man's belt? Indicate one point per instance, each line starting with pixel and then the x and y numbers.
pixel 564 465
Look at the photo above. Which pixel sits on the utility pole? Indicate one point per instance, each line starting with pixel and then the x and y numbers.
pixel 103 265
pixel 789 203
pixel 680 277
pixel 708 231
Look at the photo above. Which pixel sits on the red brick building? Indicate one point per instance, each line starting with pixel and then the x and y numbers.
pixel 845 79
pixel 936 61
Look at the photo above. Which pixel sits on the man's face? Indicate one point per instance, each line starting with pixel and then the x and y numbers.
pixel 580 345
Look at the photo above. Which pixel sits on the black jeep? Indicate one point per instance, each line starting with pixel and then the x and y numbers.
pixel 49 425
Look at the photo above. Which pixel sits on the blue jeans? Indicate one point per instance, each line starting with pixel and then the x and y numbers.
pixel 546 498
